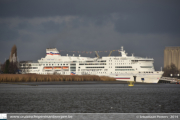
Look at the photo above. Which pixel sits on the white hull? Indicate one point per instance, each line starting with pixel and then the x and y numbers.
pixel 152 78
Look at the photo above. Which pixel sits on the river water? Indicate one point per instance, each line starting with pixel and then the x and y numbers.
pixel 90 98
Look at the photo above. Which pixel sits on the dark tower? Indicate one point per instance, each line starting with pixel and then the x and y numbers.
pixel 13 55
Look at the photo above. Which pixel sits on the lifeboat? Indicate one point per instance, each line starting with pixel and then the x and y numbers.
pixel 57 68
pixel 65 67
pixel 48 68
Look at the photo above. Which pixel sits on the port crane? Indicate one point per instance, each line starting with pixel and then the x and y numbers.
pixel 110 53
pixel 97 54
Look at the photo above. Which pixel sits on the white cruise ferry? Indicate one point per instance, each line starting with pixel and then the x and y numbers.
pixel 122 68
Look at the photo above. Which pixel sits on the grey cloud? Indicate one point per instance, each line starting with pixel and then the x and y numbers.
pixel 7 34
pixel 23 25
pixel 51 26
pixel 142 16
pixel 45 27
pixel 40 8
pixel 148 24
pixel 26 38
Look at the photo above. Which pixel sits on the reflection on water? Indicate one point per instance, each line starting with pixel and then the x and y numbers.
pixel 90 98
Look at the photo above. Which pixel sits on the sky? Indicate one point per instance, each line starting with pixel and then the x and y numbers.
pixel 142 27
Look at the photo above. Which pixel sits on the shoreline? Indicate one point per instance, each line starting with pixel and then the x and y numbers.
pixel 76 83
pixel 50 78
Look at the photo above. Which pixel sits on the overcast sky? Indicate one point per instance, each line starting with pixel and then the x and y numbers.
pixel 143 27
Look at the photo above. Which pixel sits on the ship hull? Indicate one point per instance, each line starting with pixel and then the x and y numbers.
pixel 144 78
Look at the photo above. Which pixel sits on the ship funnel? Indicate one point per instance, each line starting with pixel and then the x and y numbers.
pixel 52 52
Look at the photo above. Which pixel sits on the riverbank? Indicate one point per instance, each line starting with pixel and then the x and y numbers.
pixel 50 78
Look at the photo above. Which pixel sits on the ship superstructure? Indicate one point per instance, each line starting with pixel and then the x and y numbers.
pixel 123 68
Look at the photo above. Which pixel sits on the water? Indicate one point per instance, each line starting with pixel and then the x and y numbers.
pixel 90 98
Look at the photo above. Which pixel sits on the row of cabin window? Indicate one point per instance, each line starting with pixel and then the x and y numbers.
pixel 124 69
pixel 29 68
pixel 91 69
pixel 123 66
pixel 93 61
pixel 54 64
pixel 58 72
pixel 145 72
pixel 94 67
pixel 121 63
pixel 30 64
pixel 39 64
pixel 97 72
pixel 85 72
pixel 123 72
pixel 93 64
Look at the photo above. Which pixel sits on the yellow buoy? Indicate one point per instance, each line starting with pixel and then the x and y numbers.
pixel 130 83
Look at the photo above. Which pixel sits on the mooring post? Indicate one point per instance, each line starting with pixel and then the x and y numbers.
pixel 134 78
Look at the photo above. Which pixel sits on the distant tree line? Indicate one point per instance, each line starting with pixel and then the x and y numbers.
pixel 9 67
pixel 171 69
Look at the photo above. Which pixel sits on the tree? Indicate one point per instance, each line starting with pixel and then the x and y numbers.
pixel 5 67
pixel 13 67
pixel 2 67
pixel 9 67
pixel 171 69
pixel 6 70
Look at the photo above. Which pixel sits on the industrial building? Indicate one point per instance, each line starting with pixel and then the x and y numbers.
pixel 172 55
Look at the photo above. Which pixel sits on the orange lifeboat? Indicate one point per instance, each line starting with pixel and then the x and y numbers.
pixel 48 68
pixel 65 67
pixel 57 68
